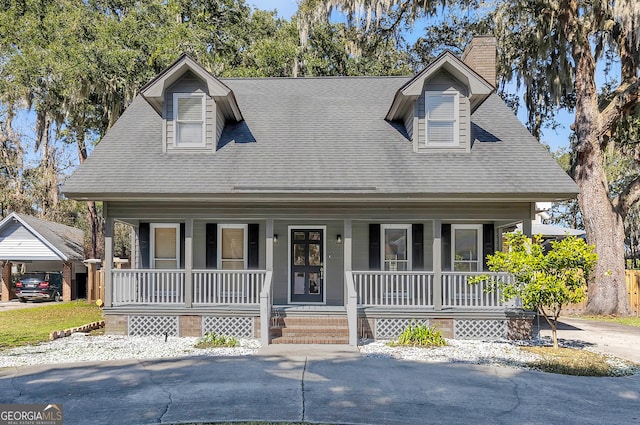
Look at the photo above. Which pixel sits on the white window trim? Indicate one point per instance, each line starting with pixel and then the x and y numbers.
pixel 456 118
pixel 245 249
pixel 176 135
pixel 408 228
pixel 152 248
pixel 478 227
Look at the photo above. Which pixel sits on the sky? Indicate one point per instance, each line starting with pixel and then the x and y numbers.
pixel 555 138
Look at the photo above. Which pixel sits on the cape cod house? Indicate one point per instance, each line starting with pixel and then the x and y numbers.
pixel 324 209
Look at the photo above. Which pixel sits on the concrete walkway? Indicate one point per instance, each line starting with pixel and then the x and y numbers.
pixel 303 383
pixel 604 337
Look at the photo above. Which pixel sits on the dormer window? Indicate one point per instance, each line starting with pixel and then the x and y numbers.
pixel 442 119
pixel 189 113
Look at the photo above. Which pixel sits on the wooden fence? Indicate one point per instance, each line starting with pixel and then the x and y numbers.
pixel 633 291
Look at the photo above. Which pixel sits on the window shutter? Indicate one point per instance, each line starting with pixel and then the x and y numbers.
pixel 143 239
pixel 417 251
pixel 253 237
pixel 446 247
pixel 488 242
pixel 374 246
pixel 182 242
pixel 211 248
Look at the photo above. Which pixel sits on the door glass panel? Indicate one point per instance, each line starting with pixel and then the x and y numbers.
pixel 314 236
pixel 298 255
pixel 298 236
pixel 314 254
pixel 298 286
pixel 314 283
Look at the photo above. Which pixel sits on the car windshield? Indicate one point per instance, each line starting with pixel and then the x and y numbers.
pixel 33 276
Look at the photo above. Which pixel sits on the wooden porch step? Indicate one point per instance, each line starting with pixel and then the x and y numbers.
pixel 309 329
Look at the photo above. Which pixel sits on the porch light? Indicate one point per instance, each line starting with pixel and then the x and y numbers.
pixel 275 239
pixel 339 239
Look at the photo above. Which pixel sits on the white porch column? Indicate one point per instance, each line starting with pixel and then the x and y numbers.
pixel 269 245
pixel 135 249
pixel 527 224
pixel 347 241
pixel 437 264
pixel 188 263
pixel 108 259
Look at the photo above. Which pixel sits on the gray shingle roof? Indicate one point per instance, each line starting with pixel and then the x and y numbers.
pixel 320 135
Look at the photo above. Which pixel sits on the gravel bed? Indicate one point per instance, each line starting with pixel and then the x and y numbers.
pixel 80 347
pixel 496 353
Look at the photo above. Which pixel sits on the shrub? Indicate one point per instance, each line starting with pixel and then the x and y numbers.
pixel 419 335
pixel 212 340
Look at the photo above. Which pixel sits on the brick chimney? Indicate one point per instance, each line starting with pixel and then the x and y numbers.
pixel 480 55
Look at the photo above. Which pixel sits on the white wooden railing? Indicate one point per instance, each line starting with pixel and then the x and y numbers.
pixel 148 287
pixel 394 288
pixel 228 286
pixel 457 293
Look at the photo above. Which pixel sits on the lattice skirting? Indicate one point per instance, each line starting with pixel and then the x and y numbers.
pixel 391 328
pixel 238 327
pixel 480 329
pixel 152 325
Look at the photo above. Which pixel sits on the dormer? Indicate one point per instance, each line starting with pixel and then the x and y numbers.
pixel 436 105
pixel 194 105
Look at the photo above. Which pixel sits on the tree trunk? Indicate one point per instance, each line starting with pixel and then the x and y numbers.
pixel 94 220
pixel 604 224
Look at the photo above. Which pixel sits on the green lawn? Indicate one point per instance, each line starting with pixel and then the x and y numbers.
pixel 33 325
pixel 628 320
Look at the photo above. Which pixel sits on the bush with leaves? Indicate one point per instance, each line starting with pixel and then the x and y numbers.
pixel 419 335
pixel 544 282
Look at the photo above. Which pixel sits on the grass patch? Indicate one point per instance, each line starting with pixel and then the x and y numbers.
pixel 623 320
pixel 33 325
pixel 211 340
pixel 571 361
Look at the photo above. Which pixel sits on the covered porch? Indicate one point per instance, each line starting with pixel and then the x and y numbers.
pixel 267 283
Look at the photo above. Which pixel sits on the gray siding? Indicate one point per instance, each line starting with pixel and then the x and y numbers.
pixel 18 243
pixel 214 120
pixel 440 82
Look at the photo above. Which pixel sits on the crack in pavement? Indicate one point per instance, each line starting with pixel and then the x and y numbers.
pixel 304 369
pixel 13 382
pixel 164 390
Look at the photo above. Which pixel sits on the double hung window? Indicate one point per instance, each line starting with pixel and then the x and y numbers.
pixel 189 113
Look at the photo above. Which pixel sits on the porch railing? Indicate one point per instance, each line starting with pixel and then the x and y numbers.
pixel 148 287
pixel 394 288
pixel 457 293
pixel 228 286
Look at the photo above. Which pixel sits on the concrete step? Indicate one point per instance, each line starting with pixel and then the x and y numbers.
pixel 311 340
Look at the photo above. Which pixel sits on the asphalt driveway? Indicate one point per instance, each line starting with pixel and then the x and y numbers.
pixel 299 385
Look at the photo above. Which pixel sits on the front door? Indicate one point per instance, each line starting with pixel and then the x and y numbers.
pixel 307 267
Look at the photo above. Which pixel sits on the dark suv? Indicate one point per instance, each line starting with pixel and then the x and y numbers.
pixel 39 286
